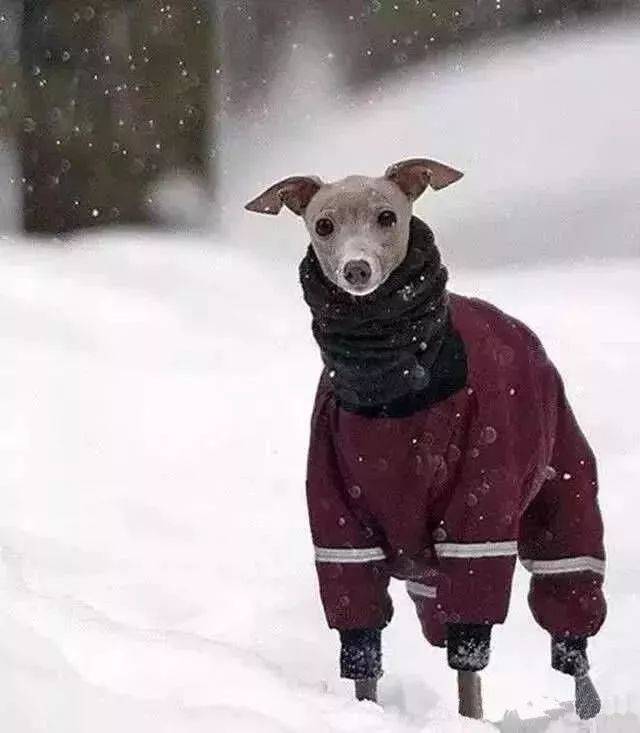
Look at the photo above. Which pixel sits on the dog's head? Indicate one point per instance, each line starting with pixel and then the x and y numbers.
pixel 359 226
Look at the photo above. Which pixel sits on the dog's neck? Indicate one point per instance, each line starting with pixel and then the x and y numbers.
pixel 394 351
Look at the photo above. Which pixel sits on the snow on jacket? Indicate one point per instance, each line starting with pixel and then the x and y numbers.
pixel 448 497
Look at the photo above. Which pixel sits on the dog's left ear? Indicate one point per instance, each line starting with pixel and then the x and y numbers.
pixel 413 176
pixel 295 193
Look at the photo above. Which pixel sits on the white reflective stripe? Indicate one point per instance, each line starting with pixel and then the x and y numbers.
pixel 349 554
pixel 565 565
pixel 476 549
pixel 421 590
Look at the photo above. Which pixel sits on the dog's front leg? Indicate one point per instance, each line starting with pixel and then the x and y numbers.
pixel 361 661
pixel 468 648
pixel 470 695
pixel 367 690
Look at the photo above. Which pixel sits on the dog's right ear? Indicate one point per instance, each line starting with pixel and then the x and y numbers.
pixel 295 193
pixel 414 175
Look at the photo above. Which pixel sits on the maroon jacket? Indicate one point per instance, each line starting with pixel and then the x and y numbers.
pixel 448 497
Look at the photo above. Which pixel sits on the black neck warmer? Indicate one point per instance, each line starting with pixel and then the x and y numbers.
pixel 392 352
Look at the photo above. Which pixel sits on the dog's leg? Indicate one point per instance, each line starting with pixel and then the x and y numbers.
pixel 587 699
pixel 470 695
pixel 367 690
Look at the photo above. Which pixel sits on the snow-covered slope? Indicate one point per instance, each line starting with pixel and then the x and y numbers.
pixel 545 129
pixel 156 568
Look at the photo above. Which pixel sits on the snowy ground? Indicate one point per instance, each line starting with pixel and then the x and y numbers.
pixel 155 566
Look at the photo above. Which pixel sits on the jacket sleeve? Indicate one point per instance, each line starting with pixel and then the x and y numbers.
pixel 350 559
pixel 476 577
pixel 561 535
pixel 475 548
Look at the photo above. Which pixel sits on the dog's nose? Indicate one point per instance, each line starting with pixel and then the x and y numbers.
pixel 357 272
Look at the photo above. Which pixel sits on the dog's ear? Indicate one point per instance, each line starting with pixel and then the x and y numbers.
pixel 413 176
pixel 295 193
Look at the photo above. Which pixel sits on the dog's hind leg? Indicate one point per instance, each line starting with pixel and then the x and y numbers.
pixel 367 690
pixel 469 695
pixel 587 699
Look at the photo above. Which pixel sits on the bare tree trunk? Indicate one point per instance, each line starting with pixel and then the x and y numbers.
pixel 117 94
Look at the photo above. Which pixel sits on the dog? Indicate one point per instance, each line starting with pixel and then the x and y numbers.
pixel 442 443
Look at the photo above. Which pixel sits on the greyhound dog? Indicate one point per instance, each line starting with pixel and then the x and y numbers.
pixel 442 443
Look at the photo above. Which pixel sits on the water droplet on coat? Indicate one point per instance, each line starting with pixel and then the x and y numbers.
pixel 420 377
pixel 439 534
pixel 489 435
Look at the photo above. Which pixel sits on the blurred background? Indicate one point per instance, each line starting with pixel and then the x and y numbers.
pixel 121 113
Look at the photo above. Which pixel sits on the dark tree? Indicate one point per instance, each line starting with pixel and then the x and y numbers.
pixel 116 94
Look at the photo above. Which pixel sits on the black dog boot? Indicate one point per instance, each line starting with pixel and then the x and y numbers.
pixel 569 656
pixel 468 646
pixel 468 650
pixel 361 660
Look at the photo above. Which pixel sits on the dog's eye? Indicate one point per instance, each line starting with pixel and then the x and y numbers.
pixel 387 219
pixel 324 227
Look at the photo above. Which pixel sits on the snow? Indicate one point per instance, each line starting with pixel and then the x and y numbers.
pixel 156 569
